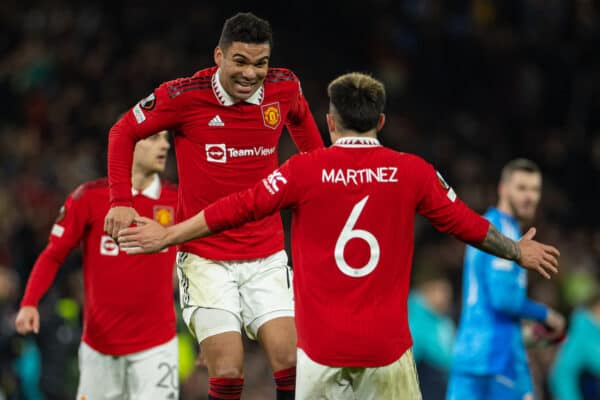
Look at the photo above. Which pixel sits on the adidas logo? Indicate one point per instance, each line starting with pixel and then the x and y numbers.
pixel 216 121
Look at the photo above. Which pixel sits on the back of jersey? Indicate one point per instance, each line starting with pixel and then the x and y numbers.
pixel 352 232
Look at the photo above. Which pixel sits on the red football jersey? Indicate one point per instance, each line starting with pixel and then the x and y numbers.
pixel 128 298
pixel 222 147
pixel 353 209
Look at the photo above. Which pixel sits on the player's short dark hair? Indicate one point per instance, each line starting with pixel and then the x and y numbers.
pixel 357 101
pixel 519 164
pixel 246 28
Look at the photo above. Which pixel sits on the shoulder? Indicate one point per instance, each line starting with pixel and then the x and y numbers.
pixel 412 164
pixel 275 75
pixel 96 187
pixel 311 156
pixel 200 81
pixel 411 159
pixel 282 78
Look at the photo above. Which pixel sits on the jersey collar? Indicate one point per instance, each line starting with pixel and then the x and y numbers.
pixel 355 141
pixel 152 191
pixel 226 100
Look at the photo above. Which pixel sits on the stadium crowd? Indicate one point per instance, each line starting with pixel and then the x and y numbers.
pixel 471 85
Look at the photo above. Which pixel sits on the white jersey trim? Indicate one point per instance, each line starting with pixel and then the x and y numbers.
pixel 357 142
pixel 152 191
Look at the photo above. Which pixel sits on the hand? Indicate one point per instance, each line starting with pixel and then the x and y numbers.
pixel 118 218
pixel 537 256
pixel 28 320
pixel 556 324
pixel 147 237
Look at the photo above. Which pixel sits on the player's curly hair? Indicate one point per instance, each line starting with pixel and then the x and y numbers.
pixel 246 28
pixel 357 100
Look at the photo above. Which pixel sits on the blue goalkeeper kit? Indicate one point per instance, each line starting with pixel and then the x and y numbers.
pixel 489 359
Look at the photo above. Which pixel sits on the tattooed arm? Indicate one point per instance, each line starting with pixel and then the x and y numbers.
pixel 499 245
pixel 527 252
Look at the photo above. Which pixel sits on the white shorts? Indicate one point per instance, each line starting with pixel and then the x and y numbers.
pixel 254 291
pixel 396 381
pixel 148 374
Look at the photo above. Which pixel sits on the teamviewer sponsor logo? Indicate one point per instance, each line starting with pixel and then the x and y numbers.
pixel 108 247
pixel 220 152
pixel 216 153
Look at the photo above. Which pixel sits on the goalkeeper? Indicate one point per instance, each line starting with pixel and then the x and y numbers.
pixel 489 360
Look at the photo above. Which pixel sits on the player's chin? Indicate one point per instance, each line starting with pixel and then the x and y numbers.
pixel 160 166
pixel 526 216
pixel 243 94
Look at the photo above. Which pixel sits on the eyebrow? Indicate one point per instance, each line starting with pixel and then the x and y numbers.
pixel 265 58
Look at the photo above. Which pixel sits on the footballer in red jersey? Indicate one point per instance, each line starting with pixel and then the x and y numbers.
pixel 128 348
pixel 353 209
pixel 227 121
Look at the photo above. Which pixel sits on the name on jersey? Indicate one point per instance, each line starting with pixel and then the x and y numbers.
pixel 220 152
pixel 360 176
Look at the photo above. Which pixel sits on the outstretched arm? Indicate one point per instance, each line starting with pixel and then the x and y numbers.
pixel 266 197
pixel 440 204
pixel 527 252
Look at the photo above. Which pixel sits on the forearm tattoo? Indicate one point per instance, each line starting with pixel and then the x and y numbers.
pixel 499 245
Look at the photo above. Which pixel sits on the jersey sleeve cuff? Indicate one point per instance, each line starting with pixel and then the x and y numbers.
pixel 27 302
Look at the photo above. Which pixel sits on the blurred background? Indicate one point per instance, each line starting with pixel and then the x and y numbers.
pixel 472 84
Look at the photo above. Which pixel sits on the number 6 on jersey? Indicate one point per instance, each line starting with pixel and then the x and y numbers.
pixel 349 233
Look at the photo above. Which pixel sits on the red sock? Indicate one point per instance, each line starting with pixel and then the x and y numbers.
pixel 285 382
pixel 225 388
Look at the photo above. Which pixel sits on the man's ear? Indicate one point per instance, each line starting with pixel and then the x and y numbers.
pixel 330 122
pixel 381 122
pixel 218 56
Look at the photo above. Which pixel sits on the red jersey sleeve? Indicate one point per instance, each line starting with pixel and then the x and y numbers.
pixel 276 191
pixel 157 112
pixel 301 123
pixel 66 234
pixel 439 203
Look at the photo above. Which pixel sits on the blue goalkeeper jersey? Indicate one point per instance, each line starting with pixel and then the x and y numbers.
pixel 489 339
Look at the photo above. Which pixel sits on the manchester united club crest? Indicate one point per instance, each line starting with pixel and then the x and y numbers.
pixel 163 215
pixel 271 115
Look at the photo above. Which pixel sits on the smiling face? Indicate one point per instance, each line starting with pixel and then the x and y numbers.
pixel 150 154
pixel 243 68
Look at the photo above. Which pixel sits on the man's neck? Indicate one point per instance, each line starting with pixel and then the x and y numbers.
pixel 344 134
pixel 505 208
pixel 140 180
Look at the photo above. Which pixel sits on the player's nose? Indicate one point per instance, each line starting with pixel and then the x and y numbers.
pixel 249 73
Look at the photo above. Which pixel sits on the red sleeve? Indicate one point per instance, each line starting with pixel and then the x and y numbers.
pixel 439 203
pixel 276 191
pixel 65 235
pixel 157 112
pixel 301 123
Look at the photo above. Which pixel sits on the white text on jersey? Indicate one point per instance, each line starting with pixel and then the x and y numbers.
pixel 220 152
pixel 360 176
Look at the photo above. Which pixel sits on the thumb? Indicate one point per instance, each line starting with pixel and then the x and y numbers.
pixel 529 235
